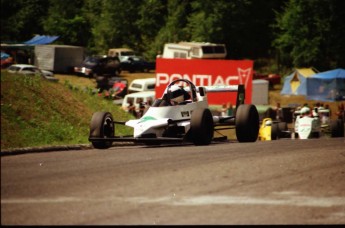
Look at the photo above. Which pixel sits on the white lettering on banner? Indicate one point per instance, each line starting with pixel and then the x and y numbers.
pixel 206 80
pixel 200 80
pixel 229 78
pixel 162 79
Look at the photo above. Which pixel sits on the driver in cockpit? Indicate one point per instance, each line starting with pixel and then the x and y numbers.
pixel 177 95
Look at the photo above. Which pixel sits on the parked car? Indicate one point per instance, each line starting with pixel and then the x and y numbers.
pixel 31 70
pixel 273 79
pixel 93 66
pixel 137 64
pixel 6 60
pixel 135 99
pixel 142 84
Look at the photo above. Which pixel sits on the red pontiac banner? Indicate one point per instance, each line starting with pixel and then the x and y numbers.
pixel 208 72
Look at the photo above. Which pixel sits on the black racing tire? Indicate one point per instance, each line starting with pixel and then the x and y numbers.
pixel 202 127
pixel 283 128
pixel 337 128
pixel 275 131
pixel 315 135
pixel 247 123
pixel 102 126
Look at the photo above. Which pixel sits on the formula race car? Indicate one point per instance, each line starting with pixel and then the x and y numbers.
pixel 273 130
pixel 181 115
pixel 313 124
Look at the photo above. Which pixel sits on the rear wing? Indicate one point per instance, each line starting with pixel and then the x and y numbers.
pixel 231 88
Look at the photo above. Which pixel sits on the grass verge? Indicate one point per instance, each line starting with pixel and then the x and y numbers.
pixel 37 112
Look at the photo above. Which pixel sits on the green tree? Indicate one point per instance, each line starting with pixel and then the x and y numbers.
pixel 175 21
pixel 22 19
pixel 243 25
pixel 311 33
pixel 116 25
pixel 91 10
pixel 152 17
pixel 205 22
pixel 66 20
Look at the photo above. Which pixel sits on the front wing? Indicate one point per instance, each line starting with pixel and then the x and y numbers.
pixel 221 123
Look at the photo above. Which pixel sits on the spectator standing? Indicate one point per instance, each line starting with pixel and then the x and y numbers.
pixel 223 110
pixel 230 109
pixel 278 111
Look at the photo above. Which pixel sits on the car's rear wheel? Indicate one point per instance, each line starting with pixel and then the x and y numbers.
pixel 247 123
pixel 102 126
pixel 275 131
pixel 337 128
pixel 283 130
pixel 202 127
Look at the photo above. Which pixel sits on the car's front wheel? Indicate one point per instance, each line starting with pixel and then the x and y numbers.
pixel 102 126
pixel 202 127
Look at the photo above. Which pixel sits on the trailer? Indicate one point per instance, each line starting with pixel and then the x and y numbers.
pixel 194 50
pixel 58 58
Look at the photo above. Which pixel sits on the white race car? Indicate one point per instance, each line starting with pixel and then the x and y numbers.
pixel 315 123
pixel 188 121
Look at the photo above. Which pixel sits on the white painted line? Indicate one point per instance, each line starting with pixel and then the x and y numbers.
pixel 284 198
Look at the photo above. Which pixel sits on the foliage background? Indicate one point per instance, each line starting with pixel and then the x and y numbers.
pixel 292 33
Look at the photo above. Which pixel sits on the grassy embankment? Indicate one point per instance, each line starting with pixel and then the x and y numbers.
pixel 36 112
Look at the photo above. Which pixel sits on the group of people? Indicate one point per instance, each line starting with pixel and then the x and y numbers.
pixel 341 112
pixel 138 110
pixel 109 90
pixel 227 109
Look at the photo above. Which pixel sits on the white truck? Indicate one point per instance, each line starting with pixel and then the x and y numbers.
pixel 121 53
pixel 194 50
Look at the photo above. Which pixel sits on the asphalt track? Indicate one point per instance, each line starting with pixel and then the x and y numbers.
pixel 273 182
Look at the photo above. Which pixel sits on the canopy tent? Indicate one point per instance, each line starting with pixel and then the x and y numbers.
pixel 24 52
pixel 38 39
pixel 295 83
pixel 327 86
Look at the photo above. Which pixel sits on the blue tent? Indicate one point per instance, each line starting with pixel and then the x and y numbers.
pixel 295 83
pixel 327 86
pixel 4 55
pixel 36 40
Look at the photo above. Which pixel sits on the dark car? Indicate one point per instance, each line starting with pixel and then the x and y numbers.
pixel 137 64
pixel 93 66
pixel 6 60
pixel 273 79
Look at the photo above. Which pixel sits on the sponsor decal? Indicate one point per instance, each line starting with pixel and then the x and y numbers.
pixel 146 118
pixel 206 72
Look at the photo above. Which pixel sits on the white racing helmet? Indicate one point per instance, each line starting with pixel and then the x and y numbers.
pixel 305 110
pixel 176 94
